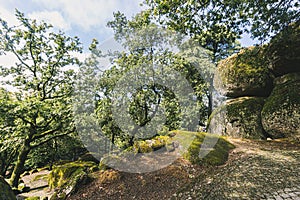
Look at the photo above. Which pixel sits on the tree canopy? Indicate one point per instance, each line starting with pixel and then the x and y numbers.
pixel 40 109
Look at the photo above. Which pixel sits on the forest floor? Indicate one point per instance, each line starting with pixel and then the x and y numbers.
pixel 254 170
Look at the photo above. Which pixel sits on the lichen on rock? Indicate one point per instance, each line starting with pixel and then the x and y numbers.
pixel 244 74
pixel 238 118
pixel 281 112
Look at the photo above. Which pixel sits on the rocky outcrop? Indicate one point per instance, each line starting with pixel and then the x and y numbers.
pixel 244 74
pixel 66 178
pixel 6 192
pixel 284 51
pixel 239 118
pixel 248 77
pixel 281 112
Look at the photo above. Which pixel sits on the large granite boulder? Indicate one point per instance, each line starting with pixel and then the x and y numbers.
pixel 6 192
pixel 244 74
pixel 284 51
pixel 281 112
pixel 238 118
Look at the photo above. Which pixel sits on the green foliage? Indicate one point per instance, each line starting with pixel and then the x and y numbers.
pixel 8 147
pixel 42 108
pixel 203 20
pixel 64 148
pixel 222 22
pixel 147 48
pixel 217 155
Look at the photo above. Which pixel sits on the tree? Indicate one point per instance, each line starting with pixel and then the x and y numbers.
pixel 43 83
pixel 8 148
pixel 218 24
pixel 222 22
pixel 147 53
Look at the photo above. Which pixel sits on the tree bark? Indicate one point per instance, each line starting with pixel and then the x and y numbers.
pixel 18 169
pixel 210 102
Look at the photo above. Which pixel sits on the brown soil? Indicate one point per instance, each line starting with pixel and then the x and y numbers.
pixel 162 184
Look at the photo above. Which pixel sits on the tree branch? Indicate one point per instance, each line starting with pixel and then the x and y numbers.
pixel 49 139
pixel 45 133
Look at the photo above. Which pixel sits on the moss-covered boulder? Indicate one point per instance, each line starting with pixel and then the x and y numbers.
pixel 217 154
pixel 147 146
pixel 6 192
pixel 284 51
pixel 244 74
pixel 281 112
pixel 66 178
pixel 238 118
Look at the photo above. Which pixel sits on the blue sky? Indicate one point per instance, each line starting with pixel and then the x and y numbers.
pixel 83 18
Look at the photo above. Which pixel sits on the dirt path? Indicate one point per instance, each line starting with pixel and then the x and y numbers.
pixel 255 170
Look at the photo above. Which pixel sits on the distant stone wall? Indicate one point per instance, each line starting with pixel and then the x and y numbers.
pixel 263 89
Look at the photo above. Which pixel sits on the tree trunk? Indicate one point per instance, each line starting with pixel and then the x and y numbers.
pixel 210 102
pixel 18 169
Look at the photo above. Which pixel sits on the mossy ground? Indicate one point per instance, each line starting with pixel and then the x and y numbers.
pixel 190 144
pixel 215 153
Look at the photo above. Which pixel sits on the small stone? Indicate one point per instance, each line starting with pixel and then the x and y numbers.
pixel 296 198
pixel 287 190
pixel 278 198
pixel 285 195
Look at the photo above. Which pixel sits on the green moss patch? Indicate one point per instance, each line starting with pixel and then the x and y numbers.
pixel 147 146
pixel 33 198
pixel 244 74
pixel 216 154
pixel 69 174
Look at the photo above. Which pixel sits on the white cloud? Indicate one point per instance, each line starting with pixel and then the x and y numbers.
pixel 53 17
pixel 8 16
pixel 8 60
pixel 90 13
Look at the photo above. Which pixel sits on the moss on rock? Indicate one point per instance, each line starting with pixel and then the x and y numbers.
pixel 67 177
pixel 239 118
pixel 216 154
pixel 147 146
pixel 284 51
pixel 33 198
pixel 6 192
pixel 281 112
pixel 244 74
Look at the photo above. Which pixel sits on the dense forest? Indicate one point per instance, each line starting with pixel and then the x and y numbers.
pixel 159 101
